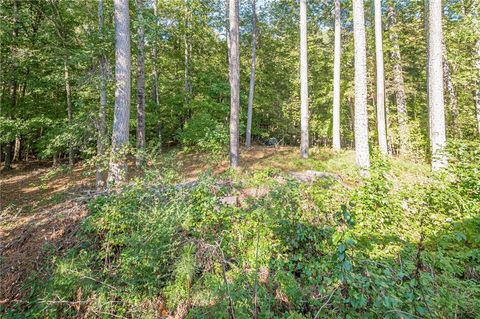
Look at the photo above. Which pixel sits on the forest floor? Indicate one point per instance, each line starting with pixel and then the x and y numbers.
pixel 42 207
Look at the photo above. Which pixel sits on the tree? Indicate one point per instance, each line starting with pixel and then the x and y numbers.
pixel 362 153
pixel 336 78
pixel 118 168
pixel 252 76
pixel 156 89
pixel 452 93
pixel 398 82
pixel 381 121
pixel 14 84
pixel 303 81
pixel 140 86
pixel 68 93
pixel 476 23
pixel 234 71
pixel 186 62
pixel 477 90
pixel 102 114
pixel 435 84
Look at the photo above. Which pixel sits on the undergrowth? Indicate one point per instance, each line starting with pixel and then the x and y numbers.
pixel 284 250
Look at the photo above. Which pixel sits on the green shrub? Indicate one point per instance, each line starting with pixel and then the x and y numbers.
pixel 205 133
pixel 300 251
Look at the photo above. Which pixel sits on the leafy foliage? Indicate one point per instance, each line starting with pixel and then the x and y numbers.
pixel 298 251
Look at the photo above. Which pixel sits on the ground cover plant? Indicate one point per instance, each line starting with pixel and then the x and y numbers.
pixel 281 248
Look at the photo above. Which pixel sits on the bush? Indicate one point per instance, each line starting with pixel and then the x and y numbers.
pixel 205 134
pixel 300 251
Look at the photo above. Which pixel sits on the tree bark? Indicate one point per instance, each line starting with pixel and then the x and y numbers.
pixel 452 94
pixel 140 160
pixel 8 156
pixel 186 85
pixel 155 82
pixel 14 87
pixel 234 67
pixel 362 153
pixel 102 114
pixel 227 31
pixel 252 75
pixel 435 85
pixel 399 85
pixel 118 168
pixel 336 78
pixel 68 92
pixel 303 81
pixel 16 152
pixel 381 121
pixel 477 90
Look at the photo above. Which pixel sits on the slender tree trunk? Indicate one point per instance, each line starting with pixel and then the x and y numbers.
pixel 399 86
pixel 186 68
pixel 362 152
pixel 426 30
pixel 435 85
pixel 118 163
pixel 68 92
pixel 140 160
pixel 336 78
pixel 8 156
pixel 351 108
pixel 227 30
pixel 476 23
pixel 102 114
pixel 303 81
pixel 381 121
pixel 234 72
pixel 16 152
pixel 252 75
pixel 14 87
pixel 452 94
pixel 477 90
pixel 155 82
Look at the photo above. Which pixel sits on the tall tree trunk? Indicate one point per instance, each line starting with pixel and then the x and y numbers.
pixel 399 85
pixel 140 160
pixel 252 75
pixel 16 152
pixel 68 92
pixel 452 94
pixel 362 153
pixel 336 78
pixel 186 85
pixel 303 81
pixel 426 19
pixel 14 87
pixel 234 67
pixel 118 168
pixel 8 156
pixel 435 85
pixel 155 81
pixel 476 22
pixel 381 121
pixel 477 90
pixel 227 30
pixel 102 114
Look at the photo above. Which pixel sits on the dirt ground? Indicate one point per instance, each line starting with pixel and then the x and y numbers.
pixel 40 212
